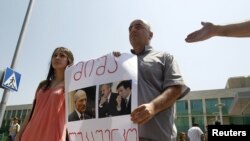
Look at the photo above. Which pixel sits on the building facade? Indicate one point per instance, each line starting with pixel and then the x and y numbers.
pixel 207 106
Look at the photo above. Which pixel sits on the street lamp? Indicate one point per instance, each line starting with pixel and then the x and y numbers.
pixel 220 106
pixel 216 115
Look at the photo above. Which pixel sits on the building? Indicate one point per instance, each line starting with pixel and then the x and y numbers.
pixel 229 106
pixel 19 111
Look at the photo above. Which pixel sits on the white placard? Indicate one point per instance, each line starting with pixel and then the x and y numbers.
pixel 89 76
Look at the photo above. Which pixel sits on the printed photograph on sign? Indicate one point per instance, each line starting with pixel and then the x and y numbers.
pixel 114 99
pixel 82 104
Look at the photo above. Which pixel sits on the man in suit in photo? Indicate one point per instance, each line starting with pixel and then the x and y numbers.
pixel 80 101
pixel 124 98
pixel 107 102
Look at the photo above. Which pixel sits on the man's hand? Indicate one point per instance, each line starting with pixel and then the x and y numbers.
pixel 103 100
pixel 207 31
pixel 143 113
pixel 116 53
pixel 119 101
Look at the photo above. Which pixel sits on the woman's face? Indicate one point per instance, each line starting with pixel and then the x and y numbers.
pixel 59 59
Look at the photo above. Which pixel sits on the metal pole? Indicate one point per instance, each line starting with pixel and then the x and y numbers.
pixel 5 93
pixel 220 111
pixel 220 106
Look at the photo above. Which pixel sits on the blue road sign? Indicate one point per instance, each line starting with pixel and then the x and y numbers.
pixel 11 79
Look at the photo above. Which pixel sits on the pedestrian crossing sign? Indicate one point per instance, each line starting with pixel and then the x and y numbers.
pixel 11 79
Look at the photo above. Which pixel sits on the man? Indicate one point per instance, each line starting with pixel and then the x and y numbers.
pixel 160 84
pixel 195 133
pixel 107 103
pixel 210 30
pixel 80 101
pixel 124 98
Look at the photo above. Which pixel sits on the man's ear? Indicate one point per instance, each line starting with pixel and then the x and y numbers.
pixel 151 35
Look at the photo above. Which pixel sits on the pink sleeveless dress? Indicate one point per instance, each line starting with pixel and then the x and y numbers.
pixel 48 119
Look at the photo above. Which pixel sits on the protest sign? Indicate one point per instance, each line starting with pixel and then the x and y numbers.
pixel 89 80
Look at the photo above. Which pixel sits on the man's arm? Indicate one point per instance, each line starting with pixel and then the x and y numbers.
pixel 145 112
pixel 210 30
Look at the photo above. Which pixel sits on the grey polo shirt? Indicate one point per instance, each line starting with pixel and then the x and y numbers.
pixel 156 72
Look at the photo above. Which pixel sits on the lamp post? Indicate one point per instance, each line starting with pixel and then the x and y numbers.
pixel 220 106
pixel 216 115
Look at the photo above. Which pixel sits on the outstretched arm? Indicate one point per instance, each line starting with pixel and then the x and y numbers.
pixel 210 30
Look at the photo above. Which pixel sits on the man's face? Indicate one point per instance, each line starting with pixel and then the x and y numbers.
pixel 105 90
pixel 81 103
pixel 139 35
pixel 124 93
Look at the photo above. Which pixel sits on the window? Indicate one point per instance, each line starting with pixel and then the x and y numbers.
pixel 13 113
pixel 210 106
pixel 182 124
pixel 8 115
pixel 196 107
pixel 182 107
pixel 228 103
pixel 19 113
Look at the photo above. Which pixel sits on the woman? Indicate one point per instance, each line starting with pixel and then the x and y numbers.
pixel 46 121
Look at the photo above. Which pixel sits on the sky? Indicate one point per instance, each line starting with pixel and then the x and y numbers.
pixel 95 28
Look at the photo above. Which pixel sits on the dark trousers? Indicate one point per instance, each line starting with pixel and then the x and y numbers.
pixel 10 138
